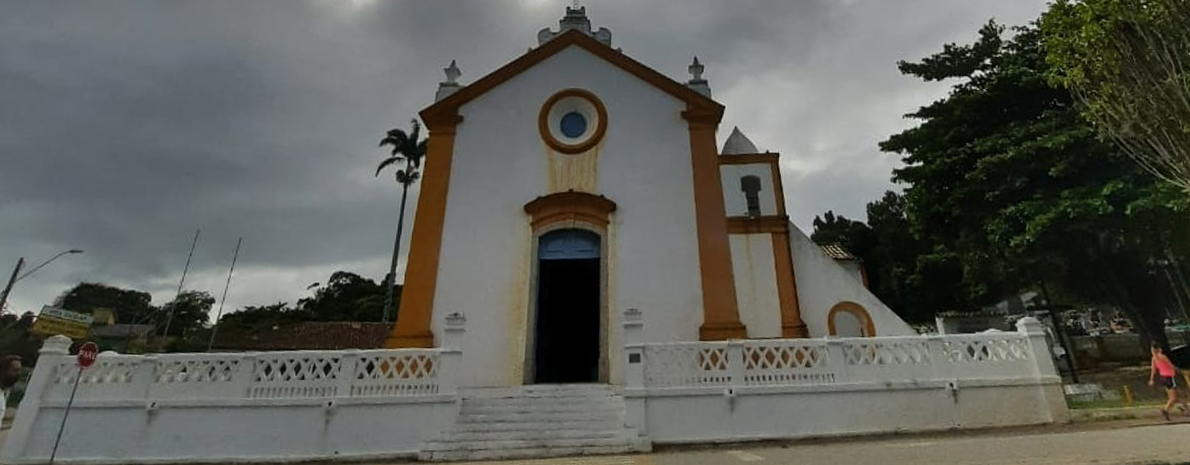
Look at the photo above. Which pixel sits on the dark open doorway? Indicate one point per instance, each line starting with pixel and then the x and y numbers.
pixel 568 308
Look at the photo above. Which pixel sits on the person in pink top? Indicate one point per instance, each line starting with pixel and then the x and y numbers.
pixel 1162 366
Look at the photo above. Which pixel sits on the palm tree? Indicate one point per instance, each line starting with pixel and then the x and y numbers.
pixel 407 148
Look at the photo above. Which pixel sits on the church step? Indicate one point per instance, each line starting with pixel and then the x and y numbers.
pixel 521 417
pixel 538 452
pixel 446 446
pixel 542 390
pixel 539 426
pixel 540 407
pixel 531 435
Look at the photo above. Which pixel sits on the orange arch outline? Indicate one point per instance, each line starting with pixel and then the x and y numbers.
pixel 855 309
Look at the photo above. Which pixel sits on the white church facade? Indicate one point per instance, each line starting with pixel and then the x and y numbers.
pixel 574 183
pixel 590 273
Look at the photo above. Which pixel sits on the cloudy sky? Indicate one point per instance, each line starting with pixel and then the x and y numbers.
pixel 126 125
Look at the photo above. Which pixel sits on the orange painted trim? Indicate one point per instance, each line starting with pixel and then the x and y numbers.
pixel 452 103
pixel 412 328
pixel 855 309
pixel 760 224
pixel 543 122
pixel 570 206
pixel 863 273
pixel 721 315
pixel 775 165
pixel 792 325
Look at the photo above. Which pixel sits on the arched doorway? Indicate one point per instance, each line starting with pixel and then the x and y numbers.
pixel 567 321
pixel 849 319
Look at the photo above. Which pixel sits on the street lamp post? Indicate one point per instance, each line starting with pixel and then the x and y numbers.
pixel 17 276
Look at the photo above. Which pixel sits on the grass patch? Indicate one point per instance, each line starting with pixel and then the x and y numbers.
pixel 1093 404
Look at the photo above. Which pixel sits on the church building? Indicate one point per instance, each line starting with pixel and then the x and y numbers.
pixel 575 183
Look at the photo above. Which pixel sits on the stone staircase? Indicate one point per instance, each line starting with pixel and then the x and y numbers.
pixel 537 421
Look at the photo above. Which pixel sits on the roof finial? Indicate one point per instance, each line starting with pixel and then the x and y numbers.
pixel 697 83
pixel 576 19
pixel 452 72
pixel 451 84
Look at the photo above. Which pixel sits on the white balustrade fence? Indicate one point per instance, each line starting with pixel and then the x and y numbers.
pixel 802 362
pixel 782 388
pixel 297 405
pixel 243 377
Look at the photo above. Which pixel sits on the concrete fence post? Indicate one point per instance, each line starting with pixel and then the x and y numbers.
pixel 456 328
pixel 633 363
pixel 451 355
pixel 55 351
pixel 939 359
pixel 451 361
pixel 1049 383
pixel 735 365
pixel 836 359
pixel 144 378
pixel 1033 330
pixel 633 352
pixel 345 378
pixel 243 375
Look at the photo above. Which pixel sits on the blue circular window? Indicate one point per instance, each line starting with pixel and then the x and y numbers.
pixel 573 124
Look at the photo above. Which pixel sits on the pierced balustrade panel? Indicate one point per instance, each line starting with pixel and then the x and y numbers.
pixel 382 373
pixel 198 376
pixel 284 375
pixel 693 364
pixel 787 362
pixel 111 377
pixel 888 359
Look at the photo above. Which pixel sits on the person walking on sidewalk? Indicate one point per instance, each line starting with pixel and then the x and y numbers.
pixel 1160 365
pixel 10 373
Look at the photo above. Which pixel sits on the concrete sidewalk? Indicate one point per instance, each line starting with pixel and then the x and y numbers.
pixel 1114 443
pixel 1130 442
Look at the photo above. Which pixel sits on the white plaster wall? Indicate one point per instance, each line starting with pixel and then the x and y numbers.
pixel 822 283
pixel 733 196
pixel 852 267
pixel 752 261
pixel 118 432
pixel 847 410
pixel 500 163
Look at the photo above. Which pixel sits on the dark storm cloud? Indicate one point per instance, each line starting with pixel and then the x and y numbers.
pixel 124 125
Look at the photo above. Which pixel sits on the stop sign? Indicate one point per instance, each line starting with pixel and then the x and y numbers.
pixel 87 354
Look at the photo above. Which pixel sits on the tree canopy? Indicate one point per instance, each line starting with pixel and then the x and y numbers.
pixel 1007 188
pixel 1128 62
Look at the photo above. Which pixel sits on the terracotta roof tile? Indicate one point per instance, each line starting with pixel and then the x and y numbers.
pixel 837 252
pixel 311 335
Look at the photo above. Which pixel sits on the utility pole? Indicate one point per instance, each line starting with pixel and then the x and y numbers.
pixel 215 327
pixel 169 317
pixel 12 280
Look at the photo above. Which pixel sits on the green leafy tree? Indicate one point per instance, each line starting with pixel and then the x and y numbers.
pixel 1010 189
pixel 131 306
pixel 191 310
pixel 256 317
pixel 409 149
pixel 345 297
pixel 1128 64
pixel 890 253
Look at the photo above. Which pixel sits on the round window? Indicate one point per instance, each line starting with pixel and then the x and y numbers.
pixel 574 124
pixel 572 121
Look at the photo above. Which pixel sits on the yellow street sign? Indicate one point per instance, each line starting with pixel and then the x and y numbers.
pixel 53 321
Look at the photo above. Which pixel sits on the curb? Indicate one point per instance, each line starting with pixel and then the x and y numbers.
pixel 1122 413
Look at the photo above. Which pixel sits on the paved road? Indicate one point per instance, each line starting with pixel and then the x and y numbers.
pixel 1118 443
pixel 1125 443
